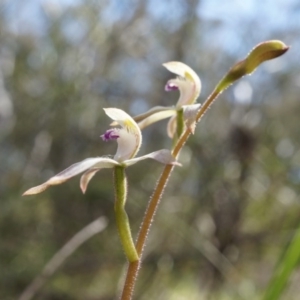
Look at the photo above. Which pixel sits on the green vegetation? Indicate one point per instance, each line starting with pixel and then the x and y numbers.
pixel 228 225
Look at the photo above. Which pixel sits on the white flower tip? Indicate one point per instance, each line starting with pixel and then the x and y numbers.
pixel 83 186
pixel 176 67
pixel 83 189
pixel 171 127
pixel 192 128
pixel 86 178
pixel 119 116
pixel 175 163
pixel 36 190
pixel 190 116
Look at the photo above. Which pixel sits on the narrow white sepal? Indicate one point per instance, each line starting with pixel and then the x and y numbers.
pixel 86 178
pixel 152 111
pixel 171 127
pixel 157 117
pixel 73 170
pixel 163 156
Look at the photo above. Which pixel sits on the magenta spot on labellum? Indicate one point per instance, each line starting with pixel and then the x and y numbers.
pixel 170 86
pixel 110 134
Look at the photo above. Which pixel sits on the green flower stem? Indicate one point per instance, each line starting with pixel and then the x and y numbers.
pixel 134 267
pixel 179 123
pixel 285 266
pixel 120 183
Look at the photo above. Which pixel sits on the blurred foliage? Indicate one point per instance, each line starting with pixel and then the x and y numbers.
pixel 285 267
pixel 226 215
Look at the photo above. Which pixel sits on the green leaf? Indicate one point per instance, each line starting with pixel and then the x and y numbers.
pixel 284 269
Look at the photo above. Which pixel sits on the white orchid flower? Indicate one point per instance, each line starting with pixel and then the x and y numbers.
pixel 189 85
pixel 129 139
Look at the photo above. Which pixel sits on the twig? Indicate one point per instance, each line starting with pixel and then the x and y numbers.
pixel 58 259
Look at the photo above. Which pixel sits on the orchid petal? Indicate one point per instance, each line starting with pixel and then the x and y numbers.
pixel 188 83
pixel 163 156
pixel 130 138
pixel 190 116
pixel 186 89
pixel 145 115
pixel 86 178
pixel 157 117
pixel 152 111
pixel 171 127
pixel 73 170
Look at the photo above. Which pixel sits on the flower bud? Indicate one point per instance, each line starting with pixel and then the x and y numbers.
pixel 262 52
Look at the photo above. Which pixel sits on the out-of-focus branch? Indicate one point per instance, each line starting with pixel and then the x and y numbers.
pixel 58 259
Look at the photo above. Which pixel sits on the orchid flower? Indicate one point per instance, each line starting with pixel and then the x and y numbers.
pixel 189 86
pixel 129 139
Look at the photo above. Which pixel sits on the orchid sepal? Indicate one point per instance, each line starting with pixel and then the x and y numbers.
pixel 86 178
pixel 171 127
pixel 152 111
pixel 73 170
pixel 163 156
pixel 157 116
pixel 190 116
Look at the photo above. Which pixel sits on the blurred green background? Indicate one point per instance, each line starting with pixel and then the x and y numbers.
pixel 226 215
